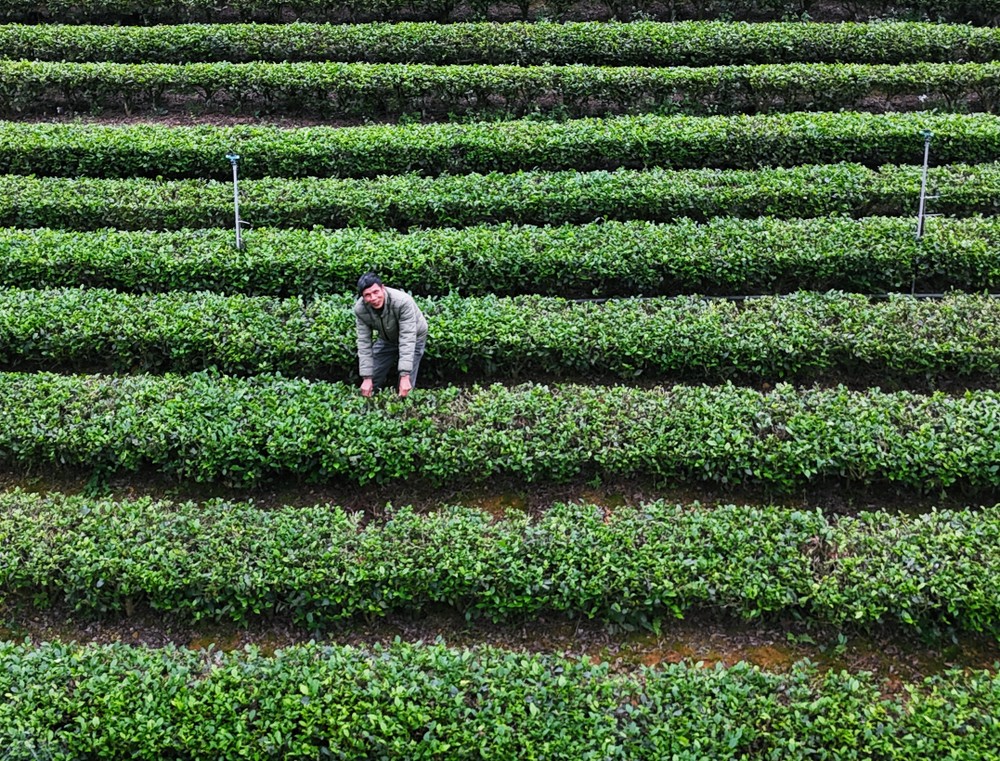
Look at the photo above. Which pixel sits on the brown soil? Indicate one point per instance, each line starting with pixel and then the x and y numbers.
pixel 502 494
pixel 895 655
pixel 434 376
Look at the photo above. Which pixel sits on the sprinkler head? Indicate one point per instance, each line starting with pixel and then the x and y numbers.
pixel 234 158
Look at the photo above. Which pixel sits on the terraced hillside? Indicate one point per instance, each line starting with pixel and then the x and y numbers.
pixel 693 378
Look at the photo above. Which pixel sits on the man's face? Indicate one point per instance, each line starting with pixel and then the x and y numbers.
pixel 374 296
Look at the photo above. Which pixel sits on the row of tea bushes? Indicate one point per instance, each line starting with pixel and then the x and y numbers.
pixel 741 142
pixel 633 566
pixel 723 256
pixel 640 43
pixel 800 336
pixel 537 198
pixel 360 90
pixel 172 11
pixel 205 428
pixel 431 702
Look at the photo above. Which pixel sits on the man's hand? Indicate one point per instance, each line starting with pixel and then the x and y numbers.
pixel 404 385
pixel 367 387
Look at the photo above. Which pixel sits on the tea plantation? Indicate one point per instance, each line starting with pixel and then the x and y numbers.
pixel 661 242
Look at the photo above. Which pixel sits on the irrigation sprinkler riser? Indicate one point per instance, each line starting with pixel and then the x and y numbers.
pixel 234 159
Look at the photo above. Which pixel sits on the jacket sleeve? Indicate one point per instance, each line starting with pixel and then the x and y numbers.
pixel 366 359
pixel 409 326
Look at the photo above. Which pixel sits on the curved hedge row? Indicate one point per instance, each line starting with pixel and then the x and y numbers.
pixel 132 11
pixel 746 142
pixel 360 90
pixel 633 566
pixel 241 431
pixel 431 702
pixel 801 336
pixel 405 201
pixel 641 43
pixel 723 256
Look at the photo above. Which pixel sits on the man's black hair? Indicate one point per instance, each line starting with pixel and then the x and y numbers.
pixel 367 280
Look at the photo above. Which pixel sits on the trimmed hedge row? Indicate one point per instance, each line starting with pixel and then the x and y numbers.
pixel 746 142
pixel 404 201
pixel 641 43
pixel 132 11
pixel 801 336
pixel 723 256
pixel 431 702
pixel 242 431
pixel 632 567
pixel 360 90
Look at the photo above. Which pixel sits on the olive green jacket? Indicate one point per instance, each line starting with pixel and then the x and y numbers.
pixel 400 322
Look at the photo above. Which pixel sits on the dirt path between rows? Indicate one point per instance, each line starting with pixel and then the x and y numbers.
pixel 891 653
pixel 894 653
pixel 501 495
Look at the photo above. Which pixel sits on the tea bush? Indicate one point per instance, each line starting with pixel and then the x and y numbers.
pixel 366 91
pixel 596 43
pixel 429 701
pixel 801 335
pixel 206 427
pixel 742 142
pixel 134 12
pixel 539 198
pixel 631 566
pixel 722 256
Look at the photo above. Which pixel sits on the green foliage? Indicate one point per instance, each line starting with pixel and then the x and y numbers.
pixel 641 43
pixel 740 142
pixel 539 198
pixel 630 567
pixel 901 568
pixel 722 256
pixel 799 336
pixel 362 90
pixel 174 11
pixel 431 702
pixel 209 428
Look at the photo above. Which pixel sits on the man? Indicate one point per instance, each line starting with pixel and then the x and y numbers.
pixel 402 335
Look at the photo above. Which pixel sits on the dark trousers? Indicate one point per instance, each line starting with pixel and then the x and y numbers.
pixel 386 356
